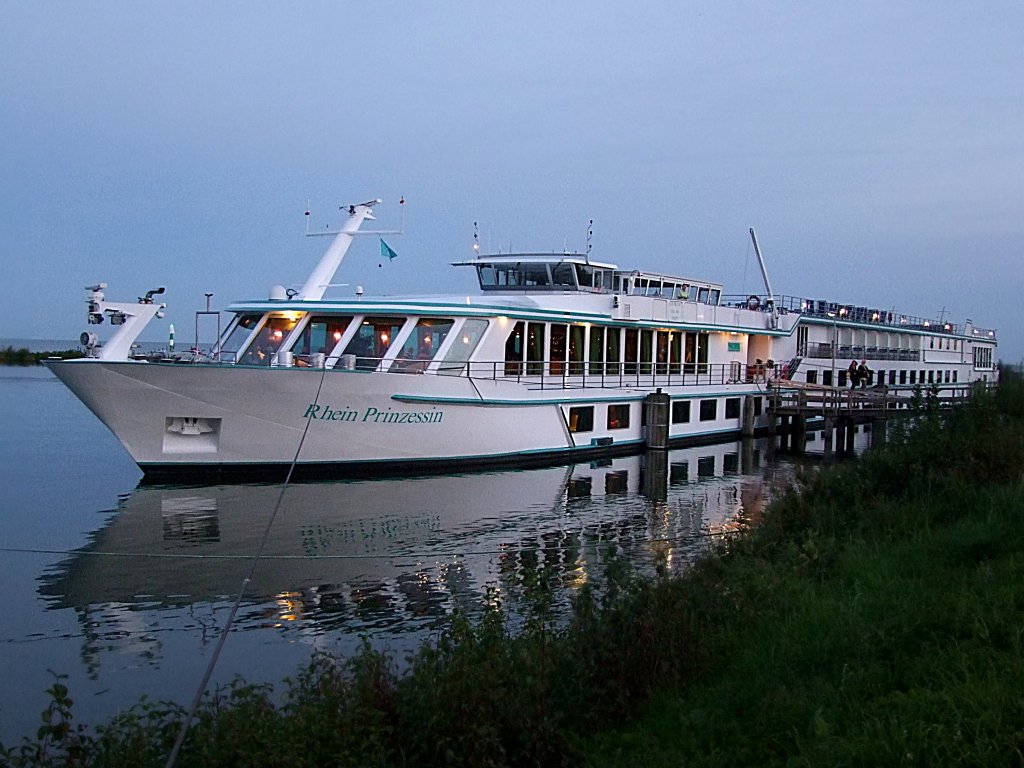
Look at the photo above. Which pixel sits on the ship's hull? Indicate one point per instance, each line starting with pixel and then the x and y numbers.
pixel 209 421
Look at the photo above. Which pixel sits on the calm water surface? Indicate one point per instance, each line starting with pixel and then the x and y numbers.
pixel 123 587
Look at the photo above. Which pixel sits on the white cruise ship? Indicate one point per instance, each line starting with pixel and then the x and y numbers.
pixel 552 359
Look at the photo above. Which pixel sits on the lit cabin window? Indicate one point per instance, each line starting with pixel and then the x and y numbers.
pixel 422 344
pixel 268 340
pixel 318 339
pixel 372 340
pixel 618 416
pixel 581 419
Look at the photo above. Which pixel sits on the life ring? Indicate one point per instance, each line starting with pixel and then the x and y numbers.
pixel 754 302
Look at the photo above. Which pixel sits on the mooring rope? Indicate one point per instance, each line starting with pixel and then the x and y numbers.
pixel 197 699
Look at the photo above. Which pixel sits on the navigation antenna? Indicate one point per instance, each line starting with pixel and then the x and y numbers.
pixel 351 209
pixel 590 236
pixel 320 279
pixel 476 239
pixel 774 316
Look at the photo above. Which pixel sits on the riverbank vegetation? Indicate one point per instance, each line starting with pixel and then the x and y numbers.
pixel 874 616
pixel 12 356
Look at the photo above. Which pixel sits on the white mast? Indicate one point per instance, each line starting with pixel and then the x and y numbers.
pixel 767 283
pixel 320 278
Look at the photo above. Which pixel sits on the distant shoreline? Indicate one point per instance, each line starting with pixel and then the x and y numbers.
pixel 23 356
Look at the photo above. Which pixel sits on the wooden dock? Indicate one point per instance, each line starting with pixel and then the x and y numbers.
pixel 791 405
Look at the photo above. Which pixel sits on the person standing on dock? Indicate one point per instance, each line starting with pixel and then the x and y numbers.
pixel 864 374
pixel 853 374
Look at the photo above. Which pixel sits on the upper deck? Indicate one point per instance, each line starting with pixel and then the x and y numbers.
pixel 577 273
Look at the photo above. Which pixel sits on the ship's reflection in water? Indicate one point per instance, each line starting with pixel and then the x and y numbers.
pixel 393 558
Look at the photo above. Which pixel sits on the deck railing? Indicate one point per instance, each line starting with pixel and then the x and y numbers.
pixel 547 375
pixel 831 310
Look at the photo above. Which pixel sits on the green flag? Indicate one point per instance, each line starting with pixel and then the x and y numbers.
pixel 385 250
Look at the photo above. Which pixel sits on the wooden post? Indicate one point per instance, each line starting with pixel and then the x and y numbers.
pixel 798 441
pixel 748 416
pixel 656 410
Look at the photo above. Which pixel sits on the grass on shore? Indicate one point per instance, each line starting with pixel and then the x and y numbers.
pixel 875 616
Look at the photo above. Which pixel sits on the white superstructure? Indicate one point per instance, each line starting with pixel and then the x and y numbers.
pixel 553 358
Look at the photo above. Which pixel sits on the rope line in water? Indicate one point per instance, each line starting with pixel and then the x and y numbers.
pixel 173 757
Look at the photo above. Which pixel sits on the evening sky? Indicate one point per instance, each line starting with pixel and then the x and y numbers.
pixel 877 147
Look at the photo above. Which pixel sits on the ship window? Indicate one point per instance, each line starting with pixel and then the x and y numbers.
pixel 558 337
pixel 631 350
pixel 320 336
pixel 422 344
pixel 458 354
pixel 661 345
pixel 563 275
pixel 534 275
pixel 618 416
pixel 577 334
pixel 708 410
pixel 612 350
pixel 268 339
pixel 758 406
pixel 702 352
pixel 535 349
pixel 913 377
pixel 675 352
pixel 581 419
pixel 372 340
pixel 732 408
pixel 238 334
pixel 892 377
pixel 715 296
pixel 702 295
pixel 681 412
pixel 488 276
pixel 596 351
pixel 646 350
pixel 903 377
pixel 812 377
pixel 514 350
pixel 955 374
pixel 588 277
